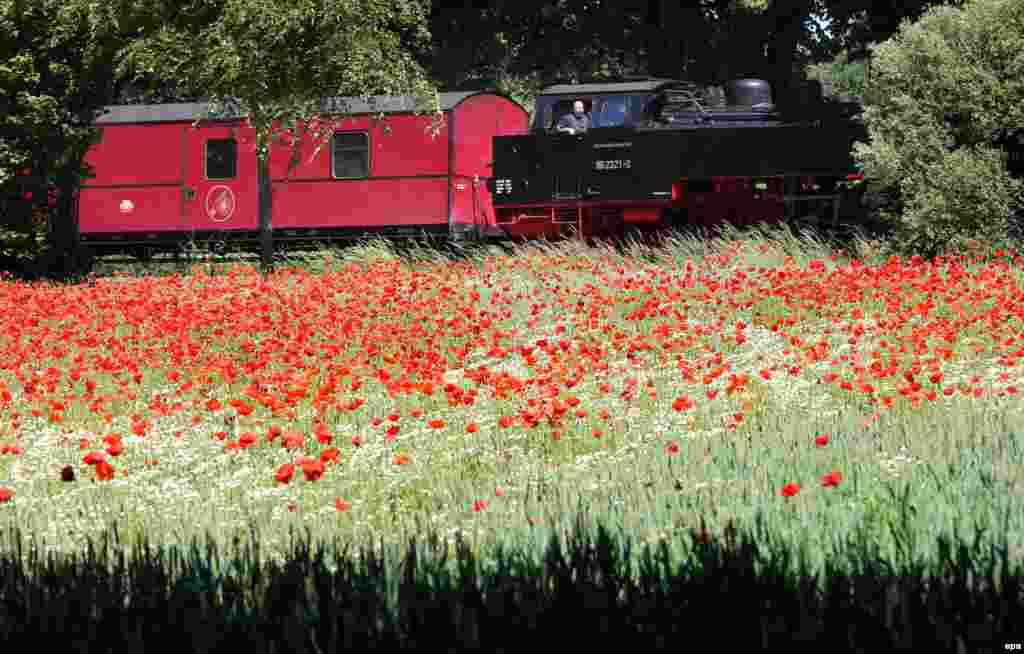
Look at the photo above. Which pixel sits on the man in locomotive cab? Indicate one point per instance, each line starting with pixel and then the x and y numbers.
pixel 577 122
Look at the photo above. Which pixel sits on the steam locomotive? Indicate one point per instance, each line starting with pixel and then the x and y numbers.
pixel 669 153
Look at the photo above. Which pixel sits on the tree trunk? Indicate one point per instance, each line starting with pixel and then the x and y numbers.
pixel 663 51
pixel 265 207
pixel 673 30
pixel 788 17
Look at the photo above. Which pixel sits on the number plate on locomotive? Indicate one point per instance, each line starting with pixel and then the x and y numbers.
pixel 613 164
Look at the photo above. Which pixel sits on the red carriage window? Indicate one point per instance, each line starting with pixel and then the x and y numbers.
pixel 221 159
pixel 350 155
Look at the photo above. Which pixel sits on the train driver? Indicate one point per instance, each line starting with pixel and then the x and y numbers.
pixel 575 123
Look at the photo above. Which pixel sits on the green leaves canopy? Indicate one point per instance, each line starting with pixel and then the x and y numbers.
pixel 942 94
pixel 277 60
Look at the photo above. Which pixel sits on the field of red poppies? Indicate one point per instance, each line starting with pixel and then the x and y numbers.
pixel 663 391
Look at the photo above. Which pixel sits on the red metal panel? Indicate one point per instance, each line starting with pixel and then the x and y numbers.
pixel 477 120
pixel 358 203
pixel 404 146
pixel 137 187
pixel 137 154
pixel 221 204
pixel 139 208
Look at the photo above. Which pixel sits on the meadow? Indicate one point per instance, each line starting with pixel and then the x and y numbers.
pixel 755 380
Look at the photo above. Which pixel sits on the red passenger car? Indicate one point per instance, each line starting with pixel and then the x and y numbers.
pixel 160 182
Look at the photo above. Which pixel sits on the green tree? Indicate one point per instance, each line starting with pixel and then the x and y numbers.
pixel 840 76
pixel 944 92
pixel 276 61
pixel 54 76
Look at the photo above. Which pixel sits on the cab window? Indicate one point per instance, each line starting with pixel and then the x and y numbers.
pixel 612 111
pixel 563 107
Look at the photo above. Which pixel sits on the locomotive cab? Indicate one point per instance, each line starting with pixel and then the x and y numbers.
pixel 605 110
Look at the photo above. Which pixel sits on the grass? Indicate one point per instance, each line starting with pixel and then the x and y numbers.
pixel 663 390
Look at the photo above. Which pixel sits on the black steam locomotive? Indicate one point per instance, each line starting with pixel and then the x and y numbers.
pixel 670 153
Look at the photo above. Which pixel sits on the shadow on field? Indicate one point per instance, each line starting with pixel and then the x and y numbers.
pixel 591 586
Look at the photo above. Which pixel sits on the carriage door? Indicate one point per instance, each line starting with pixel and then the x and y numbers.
pixel 220 172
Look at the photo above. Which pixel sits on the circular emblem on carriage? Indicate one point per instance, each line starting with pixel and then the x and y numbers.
pixel 220 204
pixel 126 206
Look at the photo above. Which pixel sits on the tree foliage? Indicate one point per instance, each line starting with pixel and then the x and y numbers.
pixel 946 92
pixel 55 76
pixel 275 61
pixel 841 77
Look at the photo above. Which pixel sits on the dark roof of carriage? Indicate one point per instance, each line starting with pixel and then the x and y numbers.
pixel 162 113
pixel 633 86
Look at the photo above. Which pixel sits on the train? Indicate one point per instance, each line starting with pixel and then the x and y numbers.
pixel 659 153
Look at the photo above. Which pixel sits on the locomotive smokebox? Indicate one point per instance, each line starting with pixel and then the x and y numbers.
pixel 748 93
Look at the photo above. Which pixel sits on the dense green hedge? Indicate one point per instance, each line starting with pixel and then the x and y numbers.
pixel 945 98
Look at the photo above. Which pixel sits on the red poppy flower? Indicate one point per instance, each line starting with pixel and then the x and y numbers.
pixel 247 439
pixel 401 459
pixel 831 479
pixel 672 449
pixel 682 403
pixel 472 428
pixel 330 455
pixel 436 423
pixel 822 439
pixel 243 408
pixel 313 469
pixel 293 439
pixel 104 471
pixel 479 505
pixel 92 458
pixel 789 490
pixel 273 432
pixel 342 505
pixel 6 494
pixel 285 472
pixel 323 434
